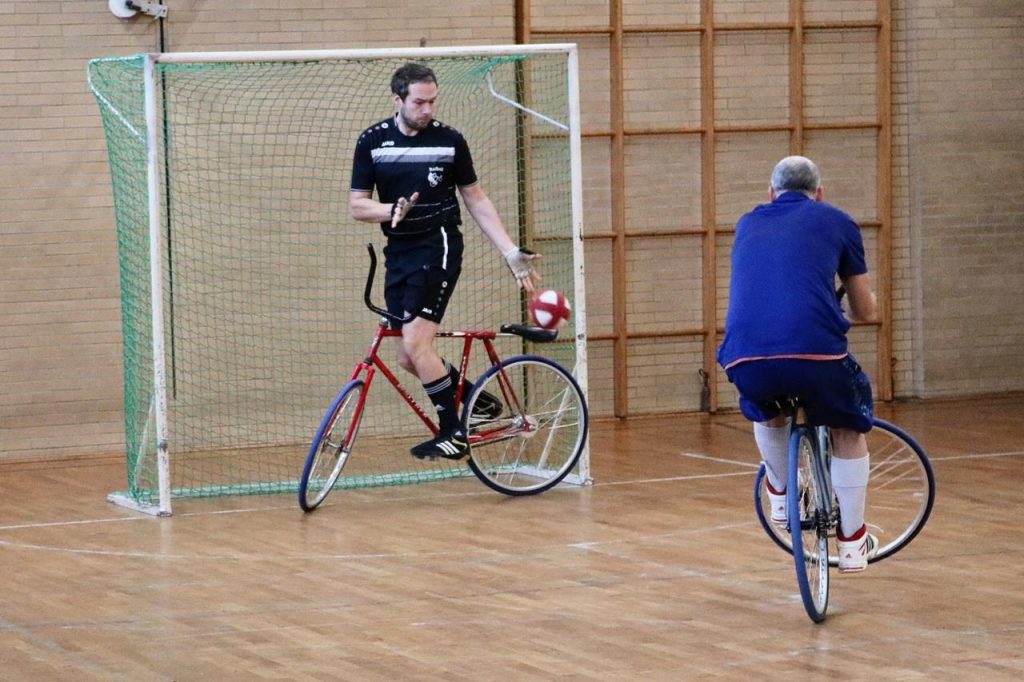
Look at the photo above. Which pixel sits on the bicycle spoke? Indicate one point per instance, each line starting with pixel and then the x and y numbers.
pixel 538 442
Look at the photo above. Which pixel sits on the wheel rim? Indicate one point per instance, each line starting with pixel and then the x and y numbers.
pixel 540 433
pixel 332 448
pixel 901 488
pixel 778 533
pixel 901 492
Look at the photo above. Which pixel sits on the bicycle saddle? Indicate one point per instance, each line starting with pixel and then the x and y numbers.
pixel 785 404
pixel 529 333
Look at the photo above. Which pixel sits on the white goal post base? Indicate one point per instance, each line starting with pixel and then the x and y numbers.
pixel 123 500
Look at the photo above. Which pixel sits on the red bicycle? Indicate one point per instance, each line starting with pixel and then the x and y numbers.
pixel 523 444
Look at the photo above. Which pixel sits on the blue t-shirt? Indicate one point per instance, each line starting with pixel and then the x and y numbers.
pixel 433 162
pixel 785 259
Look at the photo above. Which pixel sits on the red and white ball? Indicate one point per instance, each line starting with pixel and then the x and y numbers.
pixel 549 309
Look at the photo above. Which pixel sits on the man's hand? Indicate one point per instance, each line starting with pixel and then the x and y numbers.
pixel 401 208
pixel 520 262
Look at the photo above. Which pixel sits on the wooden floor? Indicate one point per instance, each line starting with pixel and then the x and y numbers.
pixel 659 571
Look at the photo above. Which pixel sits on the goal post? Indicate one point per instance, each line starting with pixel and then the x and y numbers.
pixel 242 273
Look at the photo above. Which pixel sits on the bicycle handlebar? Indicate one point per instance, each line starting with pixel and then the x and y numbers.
pixel 369 288
pixel 531 333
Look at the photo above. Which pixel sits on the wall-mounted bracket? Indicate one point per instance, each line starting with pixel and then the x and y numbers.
pixel 125 9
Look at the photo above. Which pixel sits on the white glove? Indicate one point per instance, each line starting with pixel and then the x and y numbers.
pixel 518 260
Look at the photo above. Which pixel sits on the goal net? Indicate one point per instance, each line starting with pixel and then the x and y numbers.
pixel 242 272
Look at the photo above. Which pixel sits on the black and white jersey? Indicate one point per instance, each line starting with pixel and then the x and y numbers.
pixel 433 162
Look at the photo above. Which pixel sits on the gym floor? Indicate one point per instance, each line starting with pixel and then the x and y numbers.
pixel 658 571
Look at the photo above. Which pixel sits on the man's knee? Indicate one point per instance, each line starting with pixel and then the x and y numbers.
pixel 777 422
pixel 848 444
pixel 418 340
pixel 405 362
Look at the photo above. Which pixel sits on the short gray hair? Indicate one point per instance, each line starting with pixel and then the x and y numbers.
pixel 796 174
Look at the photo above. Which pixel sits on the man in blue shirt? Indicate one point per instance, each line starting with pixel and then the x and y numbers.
pixel 416 163
pixel 785 335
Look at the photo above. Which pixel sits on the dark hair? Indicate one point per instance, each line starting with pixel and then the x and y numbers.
pixel 411 73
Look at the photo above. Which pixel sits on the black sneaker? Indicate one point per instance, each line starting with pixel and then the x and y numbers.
pixel 487 406
pixel 449 446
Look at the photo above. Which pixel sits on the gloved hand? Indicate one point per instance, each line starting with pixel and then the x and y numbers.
pixel 520 262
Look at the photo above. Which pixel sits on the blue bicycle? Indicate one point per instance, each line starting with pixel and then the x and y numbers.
pixel 901 491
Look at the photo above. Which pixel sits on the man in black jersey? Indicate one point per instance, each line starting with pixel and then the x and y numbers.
pixel 416 163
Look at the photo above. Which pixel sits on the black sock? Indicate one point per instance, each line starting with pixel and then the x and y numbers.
pixel 453 374
pixel 442 395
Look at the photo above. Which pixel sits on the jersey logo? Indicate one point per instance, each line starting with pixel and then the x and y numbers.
pixel 387 143
pixel 434 176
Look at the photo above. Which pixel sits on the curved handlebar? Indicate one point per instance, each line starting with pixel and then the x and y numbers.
pixel 369 288
pixel 531 333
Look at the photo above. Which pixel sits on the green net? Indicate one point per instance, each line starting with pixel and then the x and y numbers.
pixel 263 269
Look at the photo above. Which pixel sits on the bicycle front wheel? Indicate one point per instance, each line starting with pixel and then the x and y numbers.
pixel 331 446
pixel 534 438
pixel 809 513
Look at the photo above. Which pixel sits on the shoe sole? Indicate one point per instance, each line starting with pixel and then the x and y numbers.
pixel 433 457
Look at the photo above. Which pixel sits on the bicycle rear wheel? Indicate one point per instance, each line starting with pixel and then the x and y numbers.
pixel 901 489
pixel 901 492
pixel 537 437
pixel 778 533
pixel 808 513
pixel 331 446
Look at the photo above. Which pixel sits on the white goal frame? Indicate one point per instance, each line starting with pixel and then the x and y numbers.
pixel 159 405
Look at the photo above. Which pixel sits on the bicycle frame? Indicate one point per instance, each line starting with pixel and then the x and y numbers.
pixel 823 464
pixel 511 463
pixel 372 363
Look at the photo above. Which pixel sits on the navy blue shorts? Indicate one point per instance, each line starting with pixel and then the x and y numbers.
pixel 421 274
pixel 834 392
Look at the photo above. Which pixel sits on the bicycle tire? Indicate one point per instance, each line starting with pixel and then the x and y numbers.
pixel 900 472
pixel 807 512
pixel 540 433
pixel 778 533
pixel 330 449
pixel 901 493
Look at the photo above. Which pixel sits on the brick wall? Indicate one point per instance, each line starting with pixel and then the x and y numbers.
pixel 961 109
pixel 60 358
pixel 958 152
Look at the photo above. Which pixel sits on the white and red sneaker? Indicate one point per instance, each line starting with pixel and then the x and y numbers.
pixel 855 550
pixel 777 503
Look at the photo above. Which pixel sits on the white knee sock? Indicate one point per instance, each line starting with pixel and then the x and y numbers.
pixel 850 481
pixel 773 442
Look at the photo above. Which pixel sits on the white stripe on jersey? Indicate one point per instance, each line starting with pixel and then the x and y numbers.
pixel 414 154
pixel 444 258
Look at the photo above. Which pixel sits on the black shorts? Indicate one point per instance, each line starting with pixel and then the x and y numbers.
pixel 421 273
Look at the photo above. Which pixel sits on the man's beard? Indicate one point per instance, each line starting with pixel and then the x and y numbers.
pixel 413 124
